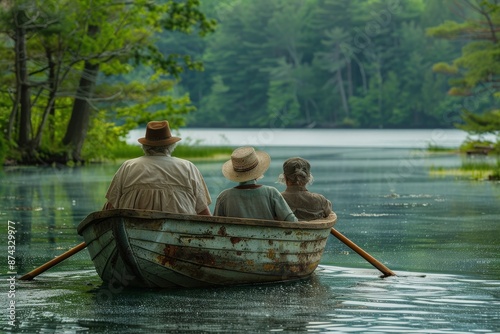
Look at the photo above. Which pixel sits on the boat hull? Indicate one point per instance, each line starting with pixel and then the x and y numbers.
pixel 141 248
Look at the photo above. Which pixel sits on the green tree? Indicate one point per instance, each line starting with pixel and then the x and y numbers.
pixel 286 41
pixel 475 75
pixel 283 104
pixel 236 53
pixel 335 62
pixel 75 47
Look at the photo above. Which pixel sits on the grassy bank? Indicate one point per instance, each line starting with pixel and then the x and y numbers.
pixel 125 151
pixel 478 163
pixel 471 171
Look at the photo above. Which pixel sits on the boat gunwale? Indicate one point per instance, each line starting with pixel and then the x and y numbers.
pixel 94 217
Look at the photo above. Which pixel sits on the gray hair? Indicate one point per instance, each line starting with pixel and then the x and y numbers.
pixel 156 150
pixel 297 171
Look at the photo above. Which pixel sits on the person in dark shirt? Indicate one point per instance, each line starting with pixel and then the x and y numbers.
pixel 305 205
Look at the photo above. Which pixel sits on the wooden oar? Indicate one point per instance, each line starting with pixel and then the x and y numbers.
pixel 386 271
pixel 29 276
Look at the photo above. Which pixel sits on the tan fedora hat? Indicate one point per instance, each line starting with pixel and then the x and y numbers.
pixel 158 134
pixel 246 164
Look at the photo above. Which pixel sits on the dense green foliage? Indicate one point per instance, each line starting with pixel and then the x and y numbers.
pixel 78 74
pixel 475 74
pixel 324 63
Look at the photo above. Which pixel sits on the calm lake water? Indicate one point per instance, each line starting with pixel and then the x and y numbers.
pixel 439 233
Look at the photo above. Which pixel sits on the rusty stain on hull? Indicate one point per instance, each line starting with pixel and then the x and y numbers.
pixel 172 254
pixel 222 231
pixel 271 254
pixel 235 240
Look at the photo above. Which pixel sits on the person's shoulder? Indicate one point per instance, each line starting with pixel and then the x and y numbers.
pixel 177 159
pixel 316 194
pixel 270 189
pixel 225 192
pixel 181 161
pixel 319 196
pixel 132 161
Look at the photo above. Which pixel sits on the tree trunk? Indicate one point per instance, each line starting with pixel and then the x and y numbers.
pixel 16 101
pixel 50 107
pixel 23 89
pixel 78 125
pixel 340 83
pixel 380 93
pixel 349 78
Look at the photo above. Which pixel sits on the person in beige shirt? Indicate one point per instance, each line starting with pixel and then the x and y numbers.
pixel 305 205
pixel 158 181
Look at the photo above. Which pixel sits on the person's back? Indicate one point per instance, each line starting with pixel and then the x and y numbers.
pixel 249 199
pixel 158 181
pixel 305 205
pixel 262 202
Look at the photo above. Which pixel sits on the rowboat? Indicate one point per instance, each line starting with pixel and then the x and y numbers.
pixel 154 249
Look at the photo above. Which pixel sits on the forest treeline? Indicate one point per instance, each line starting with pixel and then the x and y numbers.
pixel 77 75
pixel 328 63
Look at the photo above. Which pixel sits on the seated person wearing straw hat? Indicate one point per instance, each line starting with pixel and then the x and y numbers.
pixel 304 204
pixel 249 199
pixel 158 181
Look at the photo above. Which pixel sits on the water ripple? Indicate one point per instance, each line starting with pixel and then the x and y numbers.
pixel 335 299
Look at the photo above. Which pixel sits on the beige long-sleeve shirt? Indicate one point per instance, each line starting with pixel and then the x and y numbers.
pixel 159 182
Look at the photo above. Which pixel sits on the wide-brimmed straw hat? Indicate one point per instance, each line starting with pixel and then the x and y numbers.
pixel 158 134
pixel 246 164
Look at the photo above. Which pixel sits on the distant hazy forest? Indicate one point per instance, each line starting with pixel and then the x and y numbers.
pixel 78 75
pixel 324 63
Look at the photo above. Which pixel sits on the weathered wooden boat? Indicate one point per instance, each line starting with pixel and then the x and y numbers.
pixel 141 248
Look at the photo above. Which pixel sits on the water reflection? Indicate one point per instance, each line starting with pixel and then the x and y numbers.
pixel 440 235
pixel 412 222
pixel 233 309
pixel 334 299
pixel 47 204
